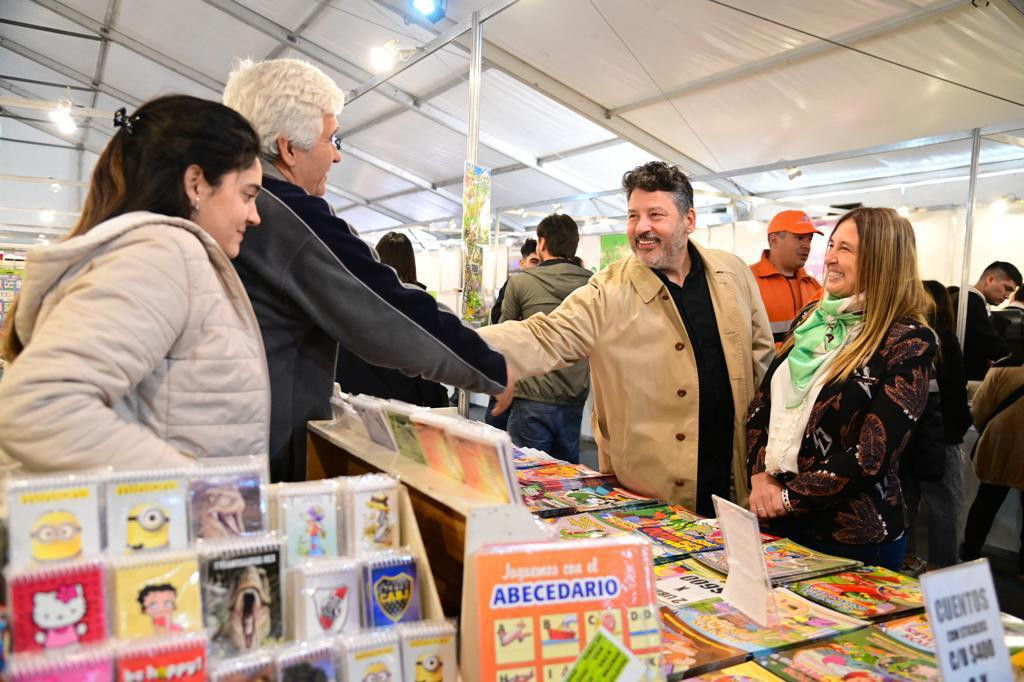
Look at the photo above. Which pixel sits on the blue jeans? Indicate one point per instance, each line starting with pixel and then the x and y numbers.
pixel 499 422
pixel 885 554
pixel 555 429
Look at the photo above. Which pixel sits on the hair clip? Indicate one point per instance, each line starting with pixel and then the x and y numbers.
pixel 122 120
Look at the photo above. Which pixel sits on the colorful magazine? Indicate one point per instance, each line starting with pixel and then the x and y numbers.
pixel 546 503
pixel 787 562
pixel 800 621
pixel 563 476
pixel 686 651
pixel 864 592
pixel 674 529
pixel 524 458
pixel 744 672
pixel 913 631
pixel 1013 632
pixel 863 655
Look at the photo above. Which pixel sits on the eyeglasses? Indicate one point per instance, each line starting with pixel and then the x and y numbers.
pixel 335 141
pixel 63 532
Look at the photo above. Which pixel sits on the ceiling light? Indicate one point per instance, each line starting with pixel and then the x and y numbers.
pixel 904 211
pixel 793 172
pixel 384 58
pixel 47 216
pixel 61 115
pixel 55 187
pixel 431 10
pixel 1000 205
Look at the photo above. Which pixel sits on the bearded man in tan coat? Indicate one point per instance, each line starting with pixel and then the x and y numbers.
pixel 678 341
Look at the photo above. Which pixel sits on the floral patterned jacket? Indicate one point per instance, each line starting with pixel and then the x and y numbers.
pixel 848 487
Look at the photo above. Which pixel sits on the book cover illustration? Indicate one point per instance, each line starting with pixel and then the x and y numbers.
pixel 431 430
pixel 428 651
pixel 586 499
pixel 58 606
pixel 864 592
pixel 480 463
pixel 242 597
pixel 862 655
pixel 913 631
pixel 524 458
pixel 786 561
pixel 156 594
pixel 686 567
pixel 308 517
pixel 254 667
pixel 327 599
pixel 371 657
pixel 227 502
pixel 147 511
pixel 91 665
pixel 540 604
pixel 744 672
pixel 563 476
pixel 686 651
pixel 371 414
pixel 53 519
pixel 182 659
pixel 392 588
pixel 1013 632
pixel 686 588
pixel 671 527
pixel 800 621
pixel 306 663
pixel 407 438
pixel 372 513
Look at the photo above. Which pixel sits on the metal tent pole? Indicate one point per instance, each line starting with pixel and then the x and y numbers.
pixel 965 268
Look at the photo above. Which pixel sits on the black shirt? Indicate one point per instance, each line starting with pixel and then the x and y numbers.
pixel 715 406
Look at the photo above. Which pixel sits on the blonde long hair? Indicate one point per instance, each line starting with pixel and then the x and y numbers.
pixel 887 278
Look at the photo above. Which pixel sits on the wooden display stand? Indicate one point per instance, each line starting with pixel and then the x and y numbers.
pixel 438 505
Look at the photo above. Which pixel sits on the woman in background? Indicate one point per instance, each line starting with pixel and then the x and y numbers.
pixel 841 401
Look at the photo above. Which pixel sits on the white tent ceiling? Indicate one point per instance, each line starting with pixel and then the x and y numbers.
pixel 574 93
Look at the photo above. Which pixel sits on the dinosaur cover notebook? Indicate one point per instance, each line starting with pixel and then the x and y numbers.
pixel 686 651
pixel 862 655
pixel 864 592
pixel 57 607
pixel 800 621
pixel 242 597
pixel 540 603
pixel 786 561
pixel 146 511
pixel 227 501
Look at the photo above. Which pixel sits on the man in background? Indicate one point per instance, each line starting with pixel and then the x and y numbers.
pixel 982 343
pixel 1009 322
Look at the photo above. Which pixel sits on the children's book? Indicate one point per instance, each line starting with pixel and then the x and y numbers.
pixel 868 592
pixel 242 596
pixel 181 658
pixel 155 594
pixel 431 429
pixel 53 518
pixel 372 657
pixel 786 561
pixel 866 654
pixel 485 459
pixel 428 651
pixel 227 501
pixel 524 458
pixel 800 621
pixel 686 588
pixel 686 651
pixel 563 476
pixel 371 413
pixel 308 661
pixel 540 603
pixel 58 606
pixel 146 511
pixel 326 598
pixel 306 514
pixel 913 631
pixel 546 503
pixel 744 672
pixel 391 584
pixel 371 512
pixel 672 528
pixel 91 664
pixel 254 667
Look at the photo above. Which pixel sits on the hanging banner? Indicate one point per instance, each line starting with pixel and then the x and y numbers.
pixel 476 234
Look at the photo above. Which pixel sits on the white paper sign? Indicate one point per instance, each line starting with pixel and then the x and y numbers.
pixel 963 612
pixel 686 589
pixel 748 587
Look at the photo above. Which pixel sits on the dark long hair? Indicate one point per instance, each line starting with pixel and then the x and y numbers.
pixel 942 316
pixel 395 250
pixel 143 166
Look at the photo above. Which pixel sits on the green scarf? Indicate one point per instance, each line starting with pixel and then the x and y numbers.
pixel 821 333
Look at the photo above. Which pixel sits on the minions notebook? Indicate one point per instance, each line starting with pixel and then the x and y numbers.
pixel 53 519
pixel 146 511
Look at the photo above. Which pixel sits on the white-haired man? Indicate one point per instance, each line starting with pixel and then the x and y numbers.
pixel 314 284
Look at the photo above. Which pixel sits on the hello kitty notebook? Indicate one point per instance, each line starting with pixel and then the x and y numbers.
pixel 58 607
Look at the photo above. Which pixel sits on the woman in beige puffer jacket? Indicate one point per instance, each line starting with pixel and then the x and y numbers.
pixel 133 343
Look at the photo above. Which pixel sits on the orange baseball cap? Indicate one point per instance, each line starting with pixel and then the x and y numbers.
pixel 796 222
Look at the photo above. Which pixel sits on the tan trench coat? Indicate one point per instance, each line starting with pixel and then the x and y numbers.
pixel 643 368
pixel 998 459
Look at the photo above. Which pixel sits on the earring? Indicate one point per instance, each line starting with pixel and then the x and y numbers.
pixel 195 206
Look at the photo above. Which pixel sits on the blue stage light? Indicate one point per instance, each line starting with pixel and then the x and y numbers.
pixel 432 10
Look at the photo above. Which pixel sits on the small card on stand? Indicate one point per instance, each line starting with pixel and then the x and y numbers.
pixel 747 588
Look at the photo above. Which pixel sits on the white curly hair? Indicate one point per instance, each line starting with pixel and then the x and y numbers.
pixel 286 97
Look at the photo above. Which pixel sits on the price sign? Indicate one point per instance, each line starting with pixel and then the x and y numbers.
pixel 747 587
pixel 964 615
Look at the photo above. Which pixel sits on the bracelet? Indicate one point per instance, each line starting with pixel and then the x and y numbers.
pixel 785 500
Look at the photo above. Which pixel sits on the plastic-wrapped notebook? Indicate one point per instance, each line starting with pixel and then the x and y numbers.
pixel 53 518
pixel 428 651
pixel 371 657
pixel 57 607
pixel 786 560
pixel 391 587
pixel 155 594
pixel 686 651
pixel 325 598
pixel 407 440
pixel 370 505
pixel 227 500
pixel 744 672
pixel 432 430
pixel 485 459
pixel 146 511
pixel 548 503
pixel 862 655
pixel 563 476
pixel 914 631
pixel 524 458
pixel 306 515
pixel 371 413
pixel 308 661
pixel 181 658
pixel 800 621
pixel 90 664
pixel 242 596
pixel 869 592
pixel 675 530
pixel 255 667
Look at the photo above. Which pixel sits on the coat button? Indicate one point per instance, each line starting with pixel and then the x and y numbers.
pixel 680 436
pixel 680 482
pixel 664 297
pixel 680 345
pixel 681 393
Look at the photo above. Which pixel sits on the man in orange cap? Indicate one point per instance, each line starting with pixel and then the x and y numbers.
pixel 785 286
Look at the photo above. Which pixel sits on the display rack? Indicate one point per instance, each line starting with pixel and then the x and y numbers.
pixel 437 503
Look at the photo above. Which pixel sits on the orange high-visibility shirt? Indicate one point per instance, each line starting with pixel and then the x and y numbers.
pixel 783 296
